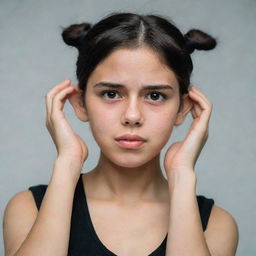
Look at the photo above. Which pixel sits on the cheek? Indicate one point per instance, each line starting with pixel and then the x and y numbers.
pixel 161 126
pixel 163 119
pixel 102 123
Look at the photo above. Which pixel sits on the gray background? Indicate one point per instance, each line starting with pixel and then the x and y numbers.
pixel 34 59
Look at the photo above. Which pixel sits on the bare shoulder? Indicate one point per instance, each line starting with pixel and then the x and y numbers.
pixel 222 233
pixel 19 216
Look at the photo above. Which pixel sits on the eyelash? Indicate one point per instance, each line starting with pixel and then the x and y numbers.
pixel 163 95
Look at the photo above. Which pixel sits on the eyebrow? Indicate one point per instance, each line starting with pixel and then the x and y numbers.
pixel 147 87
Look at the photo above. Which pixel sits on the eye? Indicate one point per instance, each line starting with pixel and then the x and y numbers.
pixel 155 95
pixel 109 93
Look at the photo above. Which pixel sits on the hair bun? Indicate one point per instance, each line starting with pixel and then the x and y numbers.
pixel 74 34
pixel 197 39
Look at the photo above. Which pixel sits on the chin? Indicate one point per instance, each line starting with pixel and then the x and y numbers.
pixel 129 164
pixel 133 160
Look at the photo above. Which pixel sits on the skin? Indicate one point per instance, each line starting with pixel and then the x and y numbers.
pixel 129 174
pixel 131 179
pixel 127 178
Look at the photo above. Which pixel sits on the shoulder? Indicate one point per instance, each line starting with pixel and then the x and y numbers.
pixel 23 199
pixel 222 232
pixel 19 216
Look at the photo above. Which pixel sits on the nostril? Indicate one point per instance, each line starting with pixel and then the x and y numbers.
pixel 137 123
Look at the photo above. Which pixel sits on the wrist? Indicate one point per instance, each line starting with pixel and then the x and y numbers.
pixel 67 169
pixel 182 179
pixel 69 162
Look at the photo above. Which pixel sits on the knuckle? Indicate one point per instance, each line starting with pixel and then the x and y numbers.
pixel 47 96
pixel 54 100
pixel 57 96
pixel 47 123
pixel 52 117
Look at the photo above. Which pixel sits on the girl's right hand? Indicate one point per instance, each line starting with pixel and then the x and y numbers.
pixel 69 145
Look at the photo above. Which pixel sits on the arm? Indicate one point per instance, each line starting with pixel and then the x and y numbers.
pixel 222 233
pixel 49 234
pixel 185 234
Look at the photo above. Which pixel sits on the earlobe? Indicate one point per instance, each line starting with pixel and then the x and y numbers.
pixel 76 101
pixel 185 107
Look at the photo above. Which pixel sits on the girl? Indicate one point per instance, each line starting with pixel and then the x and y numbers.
pixel 133 88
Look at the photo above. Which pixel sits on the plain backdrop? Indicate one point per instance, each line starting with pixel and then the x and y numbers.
pixel 33 58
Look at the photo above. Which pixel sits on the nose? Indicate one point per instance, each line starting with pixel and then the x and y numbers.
pixel 132 115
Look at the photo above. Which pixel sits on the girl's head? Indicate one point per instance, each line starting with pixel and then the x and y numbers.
pixel 133 51
pixel 129 30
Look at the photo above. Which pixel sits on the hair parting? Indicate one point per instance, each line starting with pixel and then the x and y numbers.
pixel 130 30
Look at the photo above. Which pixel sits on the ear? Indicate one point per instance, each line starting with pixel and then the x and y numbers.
pixel 75 100
pixel 185 106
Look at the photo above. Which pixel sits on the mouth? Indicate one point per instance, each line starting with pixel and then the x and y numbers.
pixel 132 144
pixel 130 137
pixel 131 141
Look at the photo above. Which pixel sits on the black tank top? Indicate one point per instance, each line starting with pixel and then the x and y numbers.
pixel 83 238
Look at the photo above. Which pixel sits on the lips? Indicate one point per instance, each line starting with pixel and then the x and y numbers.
pixel 130 141
pixel 130 137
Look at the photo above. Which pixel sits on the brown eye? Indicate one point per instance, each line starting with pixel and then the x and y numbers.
pixel 111 94
pixel 155 96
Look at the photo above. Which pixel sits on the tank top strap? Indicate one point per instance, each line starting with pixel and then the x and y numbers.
pixel 82 234
pixel 38 192
pixel 205 206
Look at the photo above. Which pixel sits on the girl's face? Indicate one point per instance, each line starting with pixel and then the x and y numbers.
pixel 119 101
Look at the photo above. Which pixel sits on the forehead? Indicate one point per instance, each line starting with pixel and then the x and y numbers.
pixel 139 66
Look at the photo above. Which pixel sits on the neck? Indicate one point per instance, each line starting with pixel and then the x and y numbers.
pixel 129 185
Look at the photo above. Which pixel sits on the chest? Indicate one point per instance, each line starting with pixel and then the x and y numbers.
pixel 136 231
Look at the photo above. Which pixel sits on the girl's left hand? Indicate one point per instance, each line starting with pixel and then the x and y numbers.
pixel 182 155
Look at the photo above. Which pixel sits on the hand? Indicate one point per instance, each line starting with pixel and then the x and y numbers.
pixel 69 145
pixel 182 155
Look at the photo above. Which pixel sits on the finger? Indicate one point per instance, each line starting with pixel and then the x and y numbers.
pixel 60 98
pixel 202 107
pixel 196 90
pixel 205 102
pixel 49 96
pixel 203 111
pixel 194 111
pixel 198 110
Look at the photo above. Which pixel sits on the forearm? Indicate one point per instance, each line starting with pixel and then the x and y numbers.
pixel 185 233
pixel 49 235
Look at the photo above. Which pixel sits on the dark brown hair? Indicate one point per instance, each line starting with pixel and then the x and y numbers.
pixel 130 30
